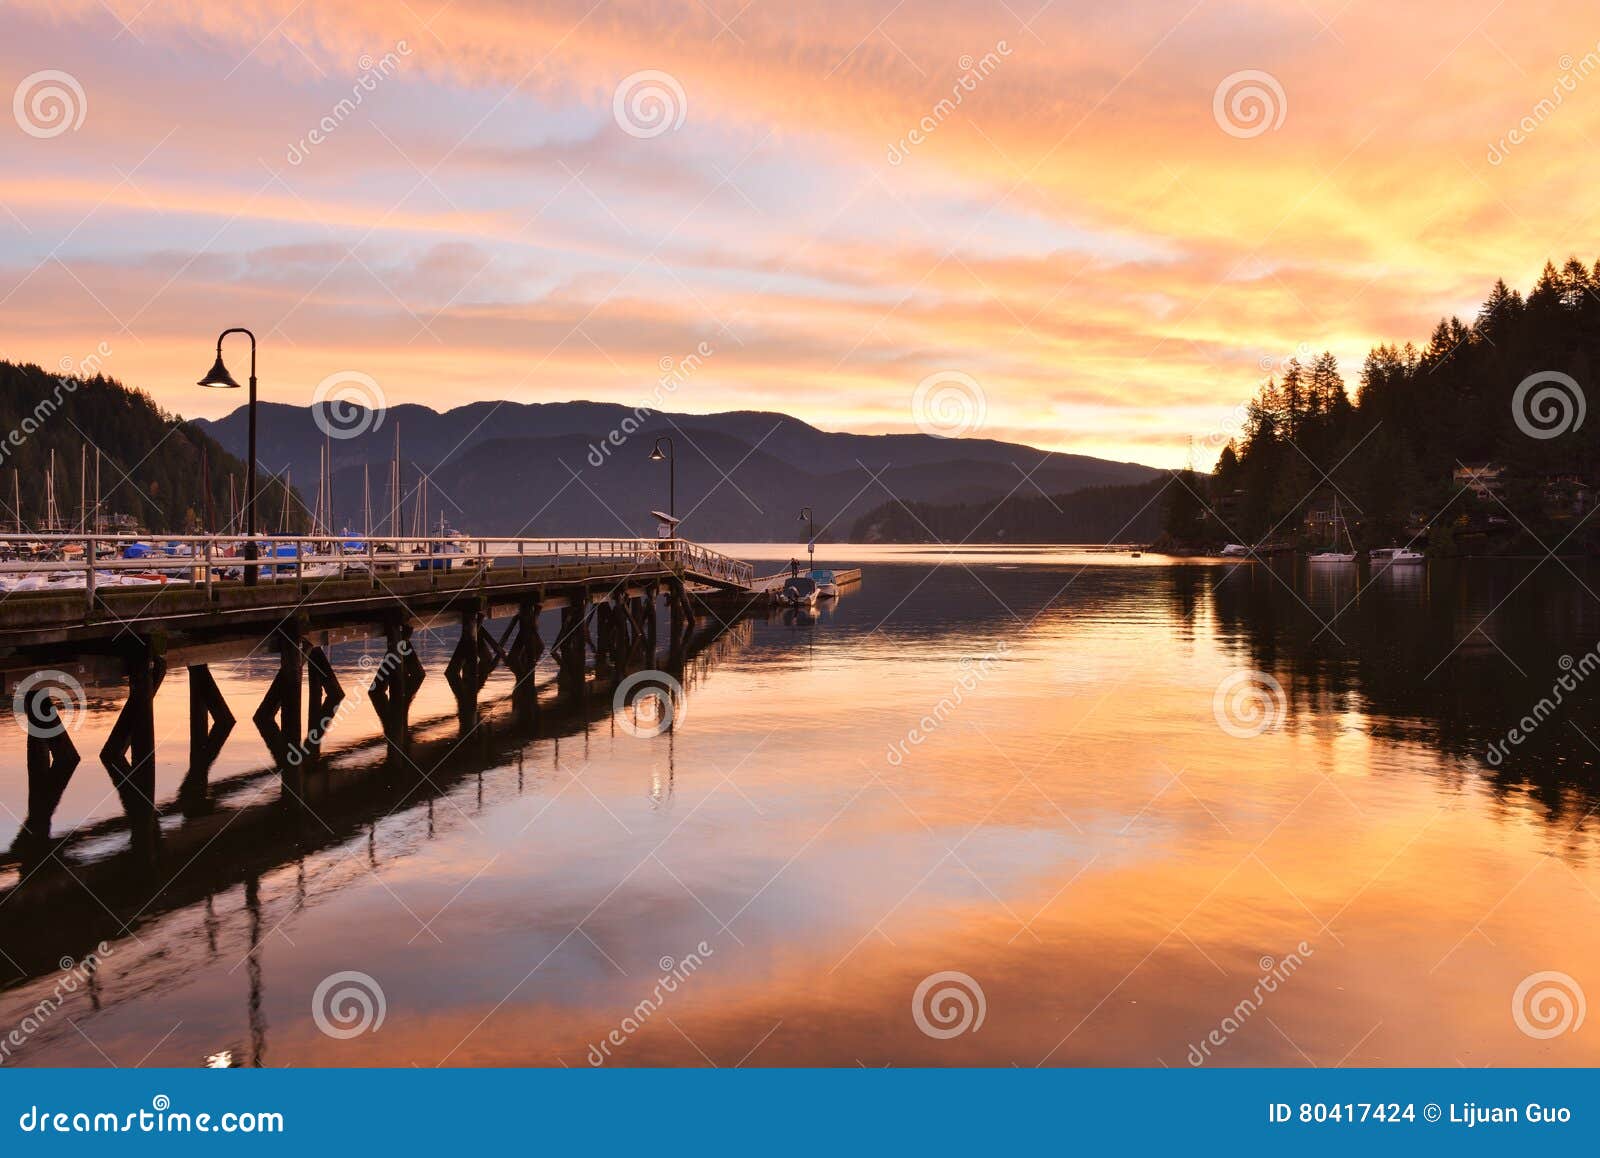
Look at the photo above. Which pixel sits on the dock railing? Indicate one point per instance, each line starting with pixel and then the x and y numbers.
pixel 88 562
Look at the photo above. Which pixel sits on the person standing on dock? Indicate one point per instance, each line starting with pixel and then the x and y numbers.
pixel 666 536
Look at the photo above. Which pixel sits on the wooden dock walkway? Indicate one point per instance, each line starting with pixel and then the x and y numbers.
pixel 69 623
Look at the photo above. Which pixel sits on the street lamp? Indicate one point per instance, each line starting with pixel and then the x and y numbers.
pixel 672 472
pixel 811 535
pixel 219 378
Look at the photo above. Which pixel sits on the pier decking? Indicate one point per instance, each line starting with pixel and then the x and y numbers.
pixel 105 619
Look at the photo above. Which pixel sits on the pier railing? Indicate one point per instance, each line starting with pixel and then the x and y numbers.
pixel 65 562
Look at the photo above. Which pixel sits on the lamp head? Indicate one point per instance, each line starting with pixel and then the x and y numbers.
pixel 218 376
pixel 656 455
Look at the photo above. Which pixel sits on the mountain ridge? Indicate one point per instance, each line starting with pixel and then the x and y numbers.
pixel 583 467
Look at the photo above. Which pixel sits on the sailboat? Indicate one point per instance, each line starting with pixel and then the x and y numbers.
pixel 1333 554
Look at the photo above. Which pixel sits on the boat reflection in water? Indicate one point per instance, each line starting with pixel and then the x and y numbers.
pixel 1102 795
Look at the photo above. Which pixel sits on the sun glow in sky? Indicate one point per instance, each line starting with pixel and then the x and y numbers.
pixel 476 199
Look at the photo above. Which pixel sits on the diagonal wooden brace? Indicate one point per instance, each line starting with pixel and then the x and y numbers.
pixel 324 696
pixel 278 718
pixel 210 722
pixel 52 759
pixel 129 753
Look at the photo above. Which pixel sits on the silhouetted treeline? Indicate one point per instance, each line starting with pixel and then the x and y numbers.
pixel 1114 514
pixel 150 468
pixel 1418 415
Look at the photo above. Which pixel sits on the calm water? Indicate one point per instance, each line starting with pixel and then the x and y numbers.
pixel 1078 823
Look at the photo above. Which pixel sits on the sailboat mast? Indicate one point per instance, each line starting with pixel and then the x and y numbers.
pixel 394 488
pixel 205 486
pixel 327 441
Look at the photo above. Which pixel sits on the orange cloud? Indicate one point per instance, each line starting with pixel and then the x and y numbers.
pixel 1057 208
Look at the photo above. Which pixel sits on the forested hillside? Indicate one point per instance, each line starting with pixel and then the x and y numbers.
pixel 150 461
pixel 1484 391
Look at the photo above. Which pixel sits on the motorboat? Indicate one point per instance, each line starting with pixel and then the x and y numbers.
pixel 1235 551
pixel 827 586
pixel 456 549
pixel 800 591
pixel 1391 556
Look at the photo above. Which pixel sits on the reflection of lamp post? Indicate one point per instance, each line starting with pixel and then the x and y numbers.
pixel 811 535
pixel 672 472
pixel 219 377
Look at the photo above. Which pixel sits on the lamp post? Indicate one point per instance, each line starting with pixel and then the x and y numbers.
pixel 672 472
pixel 811 535
pixel 219 378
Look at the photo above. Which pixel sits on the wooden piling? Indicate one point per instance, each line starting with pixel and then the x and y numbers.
pixel 210 722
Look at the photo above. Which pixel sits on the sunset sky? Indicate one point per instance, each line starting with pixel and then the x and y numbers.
pixel 1111 254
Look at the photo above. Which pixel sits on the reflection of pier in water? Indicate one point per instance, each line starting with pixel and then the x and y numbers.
pixel 254 826
pixel 605 590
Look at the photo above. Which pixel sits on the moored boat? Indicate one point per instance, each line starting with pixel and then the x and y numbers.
pixel 800 591
pixel 827 586
pixel 1391 556
pixel 1333 555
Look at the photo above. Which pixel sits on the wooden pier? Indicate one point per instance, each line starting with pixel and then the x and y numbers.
pixel 243 830
pixel 603 595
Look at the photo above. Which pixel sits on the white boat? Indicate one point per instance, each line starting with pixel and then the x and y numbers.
pixel 801 591
pixel 1333 554
pixel 1390 556
pixel 1235 551
pixel 827 587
